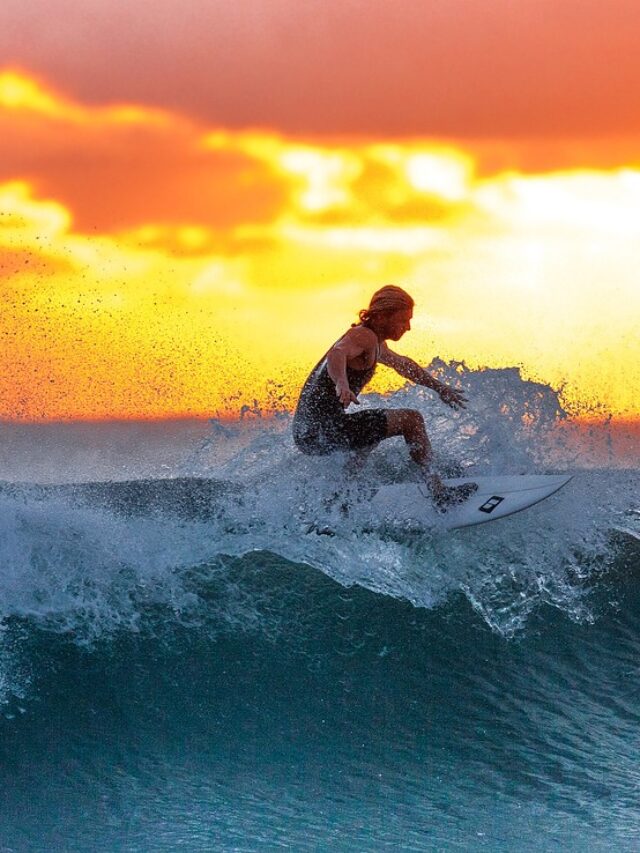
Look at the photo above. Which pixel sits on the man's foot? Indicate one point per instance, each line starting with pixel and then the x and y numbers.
pixel 444 497
pixel 451 469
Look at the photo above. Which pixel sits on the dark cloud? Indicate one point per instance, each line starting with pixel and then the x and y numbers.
pixel 461 68
pixel 115 177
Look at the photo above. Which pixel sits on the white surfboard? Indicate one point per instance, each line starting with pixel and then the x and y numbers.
pixel 497 497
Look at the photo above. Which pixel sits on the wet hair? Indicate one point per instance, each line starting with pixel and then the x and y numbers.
pixel 388 299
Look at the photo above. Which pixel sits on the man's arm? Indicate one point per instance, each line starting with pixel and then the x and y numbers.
pixel 354 344
pixel 337 370
pixel 410 369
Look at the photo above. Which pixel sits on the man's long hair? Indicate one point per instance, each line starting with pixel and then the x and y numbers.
pixel 388 299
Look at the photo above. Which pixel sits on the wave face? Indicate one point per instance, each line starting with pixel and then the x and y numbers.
pixel 200 647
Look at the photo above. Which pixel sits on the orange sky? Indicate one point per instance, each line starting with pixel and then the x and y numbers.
pixel 195 202
pixel 530 69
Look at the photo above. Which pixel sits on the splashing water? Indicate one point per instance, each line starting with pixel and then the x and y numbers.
pixel 89 559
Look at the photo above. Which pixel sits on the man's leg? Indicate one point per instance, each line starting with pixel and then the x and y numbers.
pixel 362 432
pixel 410 425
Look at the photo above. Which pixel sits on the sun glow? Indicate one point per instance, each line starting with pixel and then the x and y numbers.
pixel 325 177
pixel 445 176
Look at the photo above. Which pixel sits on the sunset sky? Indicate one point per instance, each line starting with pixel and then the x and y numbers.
pixel 196 198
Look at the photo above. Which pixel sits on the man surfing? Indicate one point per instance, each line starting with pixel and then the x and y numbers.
pixel 320 423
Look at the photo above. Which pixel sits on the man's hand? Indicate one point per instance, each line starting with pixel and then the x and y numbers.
pixel 345 394
pixel 452 397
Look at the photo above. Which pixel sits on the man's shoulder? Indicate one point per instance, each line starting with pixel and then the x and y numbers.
pixel 362 335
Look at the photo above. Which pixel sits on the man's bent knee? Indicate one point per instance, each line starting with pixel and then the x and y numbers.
pixel 404 421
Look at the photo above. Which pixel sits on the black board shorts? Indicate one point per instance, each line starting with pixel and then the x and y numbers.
pixel 359 431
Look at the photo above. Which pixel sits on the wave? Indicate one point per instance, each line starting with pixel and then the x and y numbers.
pixel 87 563
pixel 200 646
pixel 284 703
pixel 91 560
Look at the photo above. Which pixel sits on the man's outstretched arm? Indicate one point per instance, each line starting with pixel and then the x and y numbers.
pixel 410 369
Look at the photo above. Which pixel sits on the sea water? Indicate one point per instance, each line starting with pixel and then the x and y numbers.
pixel 210 642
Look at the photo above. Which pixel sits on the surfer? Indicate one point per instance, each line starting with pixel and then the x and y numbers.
pixel 320 423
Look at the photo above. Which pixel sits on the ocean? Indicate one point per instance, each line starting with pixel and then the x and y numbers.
pixel 201 648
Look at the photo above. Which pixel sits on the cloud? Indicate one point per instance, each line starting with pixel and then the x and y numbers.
pixel 119 167
pixel 160 180
pixel 531 70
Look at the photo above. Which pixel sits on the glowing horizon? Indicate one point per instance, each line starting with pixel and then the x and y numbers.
pixel 156 266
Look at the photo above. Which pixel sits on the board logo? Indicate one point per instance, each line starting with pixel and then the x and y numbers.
pixel 489 505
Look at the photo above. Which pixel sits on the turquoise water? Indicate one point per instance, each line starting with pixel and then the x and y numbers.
pixel 329 719
pixel 184 665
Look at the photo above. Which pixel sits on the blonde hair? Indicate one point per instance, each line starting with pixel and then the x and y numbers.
pixel 388 299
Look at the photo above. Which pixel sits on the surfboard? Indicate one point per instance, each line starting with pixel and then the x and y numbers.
pixel 497 497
